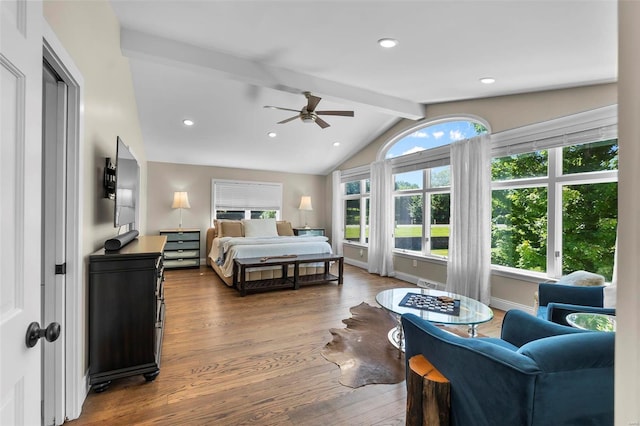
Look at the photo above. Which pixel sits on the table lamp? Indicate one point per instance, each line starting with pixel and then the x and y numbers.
pixel 180 201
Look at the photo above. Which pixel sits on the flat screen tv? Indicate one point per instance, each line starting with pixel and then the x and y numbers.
pixel 127 187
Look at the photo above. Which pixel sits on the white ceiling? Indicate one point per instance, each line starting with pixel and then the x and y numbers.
pixel 220 62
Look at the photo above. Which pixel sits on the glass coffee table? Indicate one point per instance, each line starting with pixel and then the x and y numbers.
pixel 592 321
pixel 471 312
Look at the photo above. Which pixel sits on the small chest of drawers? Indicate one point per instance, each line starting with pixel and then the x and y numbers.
pixel 309 231
pixel 182 249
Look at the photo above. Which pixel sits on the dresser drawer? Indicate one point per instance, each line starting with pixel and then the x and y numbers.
pixel 182 263
pixel 182 245
pixel 179 254
pixel 182 236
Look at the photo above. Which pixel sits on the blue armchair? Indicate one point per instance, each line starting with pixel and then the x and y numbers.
pixel 556 301
pixel 536 373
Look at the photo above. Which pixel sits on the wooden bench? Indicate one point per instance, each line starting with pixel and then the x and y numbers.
pixel 285 281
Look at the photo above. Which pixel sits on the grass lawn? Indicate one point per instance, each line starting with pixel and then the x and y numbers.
pixel 353 231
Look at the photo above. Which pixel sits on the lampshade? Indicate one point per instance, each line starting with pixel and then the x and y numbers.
pixel 180 201
pixel 305 203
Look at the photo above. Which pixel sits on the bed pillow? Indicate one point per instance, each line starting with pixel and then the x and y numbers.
pixel 260 228
pixel 284 228
pixel 230 228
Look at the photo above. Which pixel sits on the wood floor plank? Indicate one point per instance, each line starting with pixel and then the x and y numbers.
pixel 254 360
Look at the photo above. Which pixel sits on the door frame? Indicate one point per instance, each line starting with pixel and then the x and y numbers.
pixel 75 386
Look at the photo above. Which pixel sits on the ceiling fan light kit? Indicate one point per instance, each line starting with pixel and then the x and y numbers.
pixel 308 113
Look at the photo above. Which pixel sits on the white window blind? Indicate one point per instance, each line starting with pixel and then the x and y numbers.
pixel 241 195
pixel 357 173
pixel 591 126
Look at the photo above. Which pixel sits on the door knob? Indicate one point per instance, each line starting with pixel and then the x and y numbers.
pixel 34 333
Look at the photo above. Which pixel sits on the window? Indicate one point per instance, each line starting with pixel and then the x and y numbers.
pixel 554 198
pixel 554 193
pixel 422 185
pixel 356 211
pixel 245 200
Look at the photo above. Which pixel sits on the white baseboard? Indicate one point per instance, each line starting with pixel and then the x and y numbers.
pixel 506 305
pixel 357 263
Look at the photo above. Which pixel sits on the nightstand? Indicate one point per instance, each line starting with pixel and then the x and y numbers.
pixel 308 231
pixel 182 249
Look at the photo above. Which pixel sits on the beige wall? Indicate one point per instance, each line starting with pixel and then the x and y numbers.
pixel 502 113
pixel 90 34
pixel 165 178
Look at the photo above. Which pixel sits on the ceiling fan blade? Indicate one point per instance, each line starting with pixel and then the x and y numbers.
pixel 284 109
pixel 288 119
pixel 320 122
pixel 342 113
pixel 312 102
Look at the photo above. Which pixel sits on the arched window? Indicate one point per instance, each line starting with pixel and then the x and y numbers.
pixel 420 159
pixel 433 135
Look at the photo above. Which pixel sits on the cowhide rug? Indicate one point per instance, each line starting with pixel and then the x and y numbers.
pixel 362 350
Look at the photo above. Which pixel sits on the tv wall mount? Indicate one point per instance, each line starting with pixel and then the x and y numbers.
pixel 109 179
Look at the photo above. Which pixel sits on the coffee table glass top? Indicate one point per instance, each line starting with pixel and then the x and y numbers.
pixel 471 311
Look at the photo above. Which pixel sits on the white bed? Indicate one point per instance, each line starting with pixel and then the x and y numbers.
pixel 225 243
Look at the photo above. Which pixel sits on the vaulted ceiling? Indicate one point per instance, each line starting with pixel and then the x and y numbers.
pixel 220 62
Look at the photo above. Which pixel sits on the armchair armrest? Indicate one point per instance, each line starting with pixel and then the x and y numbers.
pixel 587 296
pixel 557 312
pixel 520 328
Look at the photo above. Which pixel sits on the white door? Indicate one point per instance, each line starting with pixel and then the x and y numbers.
pixel 20 214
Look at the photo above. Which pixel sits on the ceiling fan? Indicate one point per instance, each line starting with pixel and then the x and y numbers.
pixel 308 113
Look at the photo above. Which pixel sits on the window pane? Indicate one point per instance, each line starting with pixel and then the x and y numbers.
pixel 367 213
pixel 591 157
pixel 352 187
pixel 519 228
pixel 439 227
pixel 367 184
pixel 352 220
pixel 589 221
pixel 230 214
pixel 408 222
pixel 440 176
pixel 263 214
pixel 530 164
pixel 408 180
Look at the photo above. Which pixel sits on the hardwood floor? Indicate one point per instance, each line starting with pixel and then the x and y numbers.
pixel 231 360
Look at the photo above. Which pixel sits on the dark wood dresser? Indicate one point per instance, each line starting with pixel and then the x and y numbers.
pixel 126 311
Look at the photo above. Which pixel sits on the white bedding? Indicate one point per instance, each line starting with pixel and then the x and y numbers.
pixel 225 249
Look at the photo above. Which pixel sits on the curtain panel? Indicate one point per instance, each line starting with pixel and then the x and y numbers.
pixel 469 265
pixel 381 220
pixel 337 213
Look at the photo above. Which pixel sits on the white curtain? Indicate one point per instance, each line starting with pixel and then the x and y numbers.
pixel 469 265
pixel 381 219
pixel 337 214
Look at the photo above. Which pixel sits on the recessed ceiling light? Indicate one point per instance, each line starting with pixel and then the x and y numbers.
pixel 388 42
pixel 272 134
pixel 336 144
pixel 188 122
pixel 487 80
